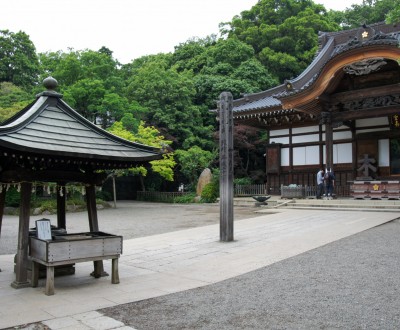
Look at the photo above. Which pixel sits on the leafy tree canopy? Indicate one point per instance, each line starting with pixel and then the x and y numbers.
pixel 18 59
pixel 12 100
pixel 193 161
pixel 370 11
pixel 149 136
pixel 282 28
pixel 169 96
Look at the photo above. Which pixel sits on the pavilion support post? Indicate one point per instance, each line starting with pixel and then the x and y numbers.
pixel 226 166
pixel 94 226
pixel 61 200
pixel 21 276
pixel 2 205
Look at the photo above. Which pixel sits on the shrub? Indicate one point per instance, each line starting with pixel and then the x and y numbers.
pixel 13 198
pixel 242 181
pixel 187 198
pixel 210 192
pixel 49 205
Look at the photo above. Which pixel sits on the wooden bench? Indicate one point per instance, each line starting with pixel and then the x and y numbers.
pixel 74 248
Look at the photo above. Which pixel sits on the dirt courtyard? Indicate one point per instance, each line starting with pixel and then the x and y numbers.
pixel 131 219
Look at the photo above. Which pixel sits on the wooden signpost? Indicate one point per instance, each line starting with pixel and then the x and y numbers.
pixel 226 166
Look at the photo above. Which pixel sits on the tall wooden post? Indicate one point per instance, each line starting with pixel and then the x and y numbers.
pixel 226 166
pixel 21 276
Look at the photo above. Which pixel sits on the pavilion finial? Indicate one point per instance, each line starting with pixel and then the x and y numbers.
pixel 50 83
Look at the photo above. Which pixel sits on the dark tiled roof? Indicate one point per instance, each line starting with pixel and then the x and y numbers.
pixel 266 102
pixel 50 127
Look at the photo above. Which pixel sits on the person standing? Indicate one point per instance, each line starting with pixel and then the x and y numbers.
pixel 329 183
pixel 320 183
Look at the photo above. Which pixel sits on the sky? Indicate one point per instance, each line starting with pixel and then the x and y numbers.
pixel 129 28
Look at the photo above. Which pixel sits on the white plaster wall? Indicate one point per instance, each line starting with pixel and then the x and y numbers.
pixel 279 132
pixel 285 157
pixel 372 122
pixel 384 152
pixel 342 153
pixel 372 130
pixel 305 138
pixel 308 129
pixel 306 155
pixel 283 140
pixel 341 135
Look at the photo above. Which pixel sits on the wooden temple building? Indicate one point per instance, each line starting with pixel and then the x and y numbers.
pixel 342 112
pixel 49 142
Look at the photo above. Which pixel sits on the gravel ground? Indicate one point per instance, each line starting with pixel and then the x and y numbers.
pixel 352 283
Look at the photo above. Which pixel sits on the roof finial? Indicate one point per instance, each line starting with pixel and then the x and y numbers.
pixel 50 83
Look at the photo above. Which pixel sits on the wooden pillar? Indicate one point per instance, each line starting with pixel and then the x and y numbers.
pixel 61 199
pixel 329 144
pixel 326 119
pixel 21 276
pixel 2 204
pixel 94 226
pixel 226 166
pixel 91 208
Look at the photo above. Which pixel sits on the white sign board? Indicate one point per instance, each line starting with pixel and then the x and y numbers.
pixel 43 229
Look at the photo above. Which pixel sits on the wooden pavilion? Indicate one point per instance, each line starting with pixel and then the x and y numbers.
pixel 343 110
pixel 49 142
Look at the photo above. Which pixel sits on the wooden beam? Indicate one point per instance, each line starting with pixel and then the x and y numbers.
pixel 21 175
pixel 365 113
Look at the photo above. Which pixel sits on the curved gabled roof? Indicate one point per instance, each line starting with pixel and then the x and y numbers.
pixel 50 127
pixel 332 46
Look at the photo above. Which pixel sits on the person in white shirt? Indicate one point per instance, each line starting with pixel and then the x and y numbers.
pixel 320 183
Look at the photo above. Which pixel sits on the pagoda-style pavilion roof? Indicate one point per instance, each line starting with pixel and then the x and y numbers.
pixel 49 134
pixel 367 47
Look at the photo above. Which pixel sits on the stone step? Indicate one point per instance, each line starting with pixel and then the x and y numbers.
pixel 347 203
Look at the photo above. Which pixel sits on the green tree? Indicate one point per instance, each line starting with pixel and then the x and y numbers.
pixel 283 33
pixel 369 12
pixel 168 95
pixel 148 135
pixel 250 145
pixel 70 67
pixel 193 161
pixel 86 97
pixel 12 100
pixel 18 60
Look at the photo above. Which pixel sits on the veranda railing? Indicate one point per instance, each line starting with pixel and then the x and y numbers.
pixel 250 190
